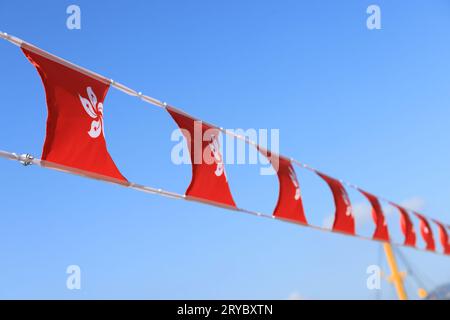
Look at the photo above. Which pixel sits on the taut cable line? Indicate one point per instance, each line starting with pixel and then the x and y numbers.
pixel 28 160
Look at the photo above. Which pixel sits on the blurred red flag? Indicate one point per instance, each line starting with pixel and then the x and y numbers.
pixel 289 205
pixel 75 128
pixel 209 180
pixel 426 232
pixel 343 218
pixel 381 230
pixel 407 226
pixel 443 236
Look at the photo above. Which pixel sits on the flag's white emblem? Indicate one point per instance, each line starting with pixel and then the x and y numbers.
pixel 95 111
pixel 295 182
pixel 215 149
pixel 348 213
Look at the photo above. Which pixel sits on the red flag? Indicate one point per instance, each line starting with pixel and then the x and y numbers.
pixel 209 180
pixel 407 226
pixel 289 205
pixel 75 127
pixel 426 232
pixel 443 236
pixel 381 230
pixel 343 219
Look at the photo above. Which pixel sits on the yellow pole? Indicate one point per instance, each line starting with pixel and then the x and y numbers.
pixel 396 276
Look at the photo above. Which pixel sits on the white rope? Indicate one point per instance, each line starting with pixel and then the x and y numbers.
pixel 27 159
pixel 21 43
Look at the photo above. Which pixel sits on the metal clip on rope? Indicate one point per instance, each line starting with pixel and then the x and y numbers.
pixel 25 159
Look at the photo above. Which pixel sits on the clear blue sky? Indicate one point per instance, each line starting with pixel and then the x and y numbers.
pixel 370 107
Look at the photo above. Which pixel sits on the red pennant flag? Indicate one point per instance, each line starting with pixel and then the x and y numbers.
pixel 289 205
pixel 443 236
pixel 381 230
pixel 209 180
pixel 343 219
pixel 407 226
pixel 426 232
pixel 75 127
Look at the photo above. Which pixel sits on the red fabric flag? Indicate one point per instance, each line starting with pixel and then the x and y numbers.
pixel 343 218
pixel 209 180
pixel 289 205
pixel 75 127
pixel 426 232
pixel 381 230
pixel 443 236
pixel 407 226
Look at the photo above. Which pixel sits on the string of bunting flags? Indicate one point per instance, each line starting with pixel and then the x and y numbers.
pixel 75 143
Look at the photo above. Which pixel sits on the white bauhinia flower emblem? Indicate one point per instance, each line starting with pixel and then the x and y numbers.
pixel 348 213
pixel 295 182
pixel 95 111
pixel 215 149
